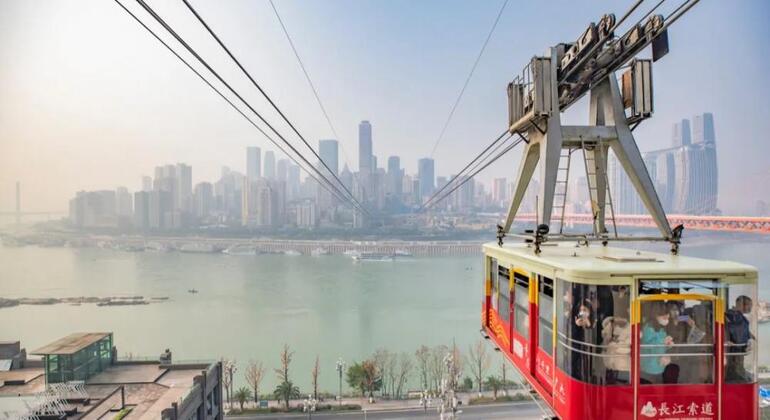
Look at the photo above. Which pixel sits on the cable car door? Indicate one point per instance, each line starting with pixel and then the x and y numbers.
pixel 677 347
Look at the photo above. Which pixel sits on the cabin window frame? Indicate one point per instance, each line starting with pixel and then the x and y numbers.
pixel 504 293
pixel 545 319
pixel 521 284
pixel 586 359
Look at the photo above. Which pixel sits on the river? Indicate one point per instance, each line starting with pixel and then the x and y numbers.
pixel 247 307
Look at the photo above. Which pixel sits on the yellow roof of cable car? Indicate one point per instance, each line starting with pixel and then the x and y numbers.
pixel 597 261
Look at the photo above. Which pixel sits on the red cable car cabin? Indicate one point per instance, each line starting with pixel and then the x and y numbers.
pixel 609 333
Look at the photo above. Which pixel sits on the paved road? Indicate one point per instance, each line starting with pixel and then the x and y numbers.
pixel 519 410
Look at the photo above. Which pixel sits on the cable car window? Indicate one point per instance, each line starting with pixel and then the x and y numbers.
pixel 672 286
pixel 594 332
pixel 677 342
pixel 740 339
pixel 493 280
pixel 504 294
pixel 545 309
pixel 521 303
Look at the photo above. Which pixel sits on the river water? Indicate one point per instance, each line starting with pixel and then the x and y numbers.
pixel 249 306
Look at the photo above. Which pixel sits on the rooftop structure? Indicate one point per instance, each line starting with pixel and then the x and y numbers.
pixel 76 357
pixel 147 389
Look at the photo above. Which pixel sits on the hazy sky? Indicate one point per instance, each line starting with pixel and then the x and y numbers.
pixel 89 101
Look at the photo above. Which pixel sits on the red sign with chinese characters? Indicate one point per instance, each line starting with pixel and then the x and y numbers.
pixel 677 408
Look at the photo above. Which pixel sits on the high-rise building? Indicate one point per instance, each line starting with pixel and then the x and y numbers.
pixel 142 210
pixel 269 165
pixel 425 173
pixel 347 178
pixel 365 148
pixel 703 128
pixel 500 191
pixel 625 200
pixel 228 195
pixel 686 176
pixel 282 171
pixel 93 209
pixel 681 134
pixel 160 212
pixel 204 200
pixel 307 214
pixel 329 152
pixel 124 202
pixel 394 176
pixel 292 182
pixel 184 191
pixel 146 183
pixel 253 163
pixel 263 203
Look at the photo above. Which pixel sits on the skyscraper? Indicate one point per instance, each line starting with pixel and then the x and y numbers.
pixel 703 128
pixel 269 165
pixel 681 134
pixel 183 199
pixel 124 202
pixel 142 210
pixel 329 152
pixel 395 175
pixel 500 191
pixel 425 173
pixel 282 172
pixel 365 148
pixel 146 183
pixel 204 199
pixel 625 200
pixel 686 175
pixel 292 182
pixel 253 163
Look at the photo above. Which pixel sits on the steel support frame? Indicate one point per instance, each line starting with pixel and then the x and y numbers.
pixel 608 129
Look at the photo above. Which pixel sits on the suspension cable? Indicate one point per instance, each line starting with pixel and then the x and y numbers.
pixel 221 95
pixel 192 51
pixel 445 186
pixel 267 97
pixel 469 177
pixel 467 80
pixel 312 86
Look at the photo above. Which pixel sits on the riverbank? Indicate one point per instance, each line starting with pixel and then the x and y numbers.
pixel 241 246
pixel 80 300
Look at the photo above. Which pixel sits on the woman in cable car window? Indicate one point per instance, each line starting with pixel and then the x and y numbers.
pixel 583 331
pixel 655 340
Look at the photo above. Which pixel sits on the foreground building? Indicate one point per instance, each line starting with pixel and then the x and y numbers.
pixel 80 377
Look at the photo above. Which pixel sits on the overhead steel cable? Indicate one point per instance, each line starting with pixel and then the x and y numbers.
pixel 266 96
pixel 461 176
pixel 467 80
pixel 469 177
pixel 221 95
pixel 462 171
pixel 192 51
pixel 312 85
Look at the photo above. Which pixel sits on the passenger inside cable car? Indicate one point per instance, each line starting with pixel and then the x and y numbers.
pixel 738 340
pixel 595 333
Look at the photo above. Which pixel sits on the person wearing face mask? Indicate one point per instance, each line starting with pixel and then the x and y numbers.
pixel 654 341
pixel 583 322
pixel 737 338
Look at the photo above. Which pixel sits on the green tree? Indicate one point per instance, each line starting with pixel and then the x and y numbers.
pixel 286 391
pixel 242 395
pixel 286 386
pixel 495 384
pixel 364 377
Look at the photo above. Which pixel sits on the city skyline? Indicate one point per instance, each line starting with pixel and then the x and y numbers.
pixel 52 157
